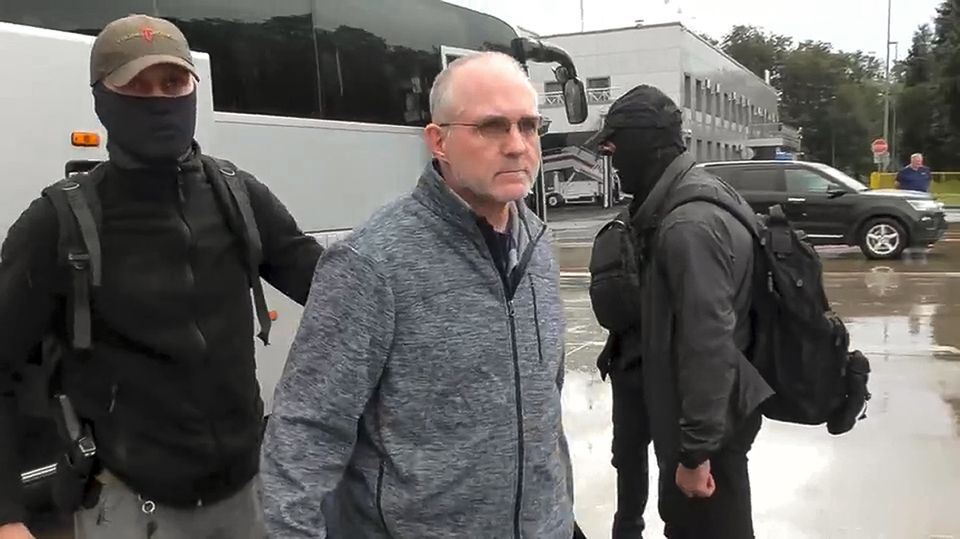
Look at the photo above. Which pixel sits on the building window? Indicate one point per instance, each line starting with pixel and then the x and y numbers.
pixel 699 96
pixel 710 150
pixel 687 91
pixel 700 150
pixel 598 90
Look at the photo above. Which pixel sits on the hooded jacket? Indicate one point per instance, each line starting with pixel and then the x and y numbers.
pixel 170 384
pixel 695 327
pixel 421 397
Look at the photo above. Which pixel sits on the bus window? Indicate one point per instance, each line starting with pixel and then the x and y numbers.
pixel 449 54
pixel 261 53
pixel 66 15
pixel 350 60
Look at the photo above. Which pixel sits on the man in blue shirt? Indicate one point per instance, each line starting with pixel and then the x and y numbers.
pixel 915 176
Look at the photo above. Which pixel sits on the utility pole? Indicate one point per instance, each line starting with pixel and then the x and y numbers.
pixel 886 100
pixel 893 130
pixel 582 25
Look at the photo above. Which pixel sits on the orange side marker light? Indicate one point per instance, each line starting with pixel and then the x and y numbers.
pixel 85 139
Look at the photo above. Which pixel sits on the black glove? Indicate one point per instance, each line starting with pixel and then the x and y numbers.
pixel 608 355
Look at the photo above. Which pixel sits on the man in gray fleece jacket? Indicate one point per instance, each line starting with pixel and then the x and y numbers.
pixel 421 397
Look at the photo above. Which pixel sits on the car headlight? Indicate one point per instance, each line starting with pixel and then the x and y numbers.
pixel 926 205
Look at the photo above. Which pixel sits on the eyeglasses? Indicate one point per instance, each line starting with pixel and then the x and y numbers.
pixel 499 127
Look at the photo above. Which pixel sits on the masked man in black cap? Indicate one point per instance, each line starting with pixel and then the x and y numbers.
pixel 140 274
pixel 677 308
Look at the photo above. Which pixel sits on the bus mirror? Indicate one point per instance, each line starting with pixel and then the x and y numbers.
pixel 575 100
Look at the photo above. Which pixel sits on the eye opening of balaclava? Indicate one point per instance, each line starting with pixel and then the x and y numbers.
pixel 154 130
pixel 642 155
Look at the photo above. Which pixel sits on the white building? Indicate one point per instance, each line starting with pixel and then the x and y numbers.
pixel 729 112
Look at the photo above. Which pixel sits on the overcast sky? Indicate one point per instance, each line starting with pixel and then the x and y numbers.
pixel 847 24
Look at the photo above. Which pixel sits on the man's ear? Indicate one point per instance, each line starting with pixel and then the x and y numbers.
pixel 433 135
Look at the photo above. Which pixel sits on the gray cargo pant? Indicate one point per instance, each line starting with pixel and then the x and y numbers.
pixel 122 514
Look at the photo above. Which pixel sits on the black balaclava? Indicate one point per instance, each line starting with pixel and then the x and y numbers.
pixel 157 131
pixel 645 126
pixel 642 156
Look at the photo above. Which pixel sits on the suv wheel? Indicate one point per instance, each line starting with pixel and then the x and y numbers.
pixel 554 200
pixel 883 239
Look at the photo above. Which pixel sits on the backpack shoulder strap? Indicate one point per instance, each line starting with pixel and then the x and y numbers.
pixel 232 189
pixel 78 211
pixel 700 193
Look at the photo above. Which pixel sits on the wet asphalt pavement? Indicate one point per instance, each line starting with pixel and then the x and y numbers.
pixel 896 475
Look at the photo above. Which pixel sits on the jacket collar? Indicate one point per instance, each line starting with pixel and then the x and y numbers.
pixel 648 215
pixel 123 160
pixel 432 191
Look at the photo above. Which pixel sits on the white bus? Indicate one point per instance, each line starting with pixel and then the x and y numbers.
pixel 323 100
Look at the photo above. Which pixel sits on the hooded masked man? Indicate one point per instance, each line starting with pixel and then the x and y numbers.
pixel 678 332
pixel 155 323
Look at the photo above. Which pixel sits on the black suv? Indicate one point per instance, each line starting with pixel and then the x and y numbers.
pixel 834 209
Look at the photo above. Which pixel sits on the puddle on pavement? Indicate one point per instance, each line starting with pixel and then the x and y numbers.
pixel 907 322
pixel 954 403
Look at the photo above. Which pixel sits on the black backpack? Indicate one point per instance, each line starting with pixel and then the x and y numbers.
pixel 41 399
pixel 800 346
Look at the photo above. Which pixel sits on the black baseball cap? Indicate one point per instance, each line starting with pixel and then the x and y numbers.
pixel 643 107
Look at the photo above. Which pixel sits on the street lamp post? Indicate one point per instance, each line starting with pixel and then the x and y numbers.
pixel 886 100
pixel 893 133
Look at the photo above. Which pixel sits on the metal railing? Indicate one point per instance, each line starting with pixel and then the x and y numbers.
pixel 944 186
pixel 789 134
pixel 551 99
pixel 595 96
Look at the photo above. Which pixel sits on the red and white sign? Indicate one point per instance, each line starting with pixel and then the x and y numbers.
pixel 879 146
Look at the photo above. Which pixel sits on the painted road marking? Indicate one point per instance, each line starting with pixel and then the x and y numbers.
pixel 951 274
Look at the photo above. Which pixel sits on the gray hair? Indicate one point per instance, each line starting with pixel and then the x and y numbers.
pixel 920 155
pixel 441 95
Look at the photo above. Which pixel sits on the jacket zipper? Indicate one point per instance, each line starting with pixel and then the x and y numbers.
pixel 191 278
pixel 510 286
pixel 519 396
pixel 191 283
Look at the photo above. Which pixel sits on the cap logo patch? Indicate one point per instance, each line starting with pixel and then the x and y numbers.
pixel 147 34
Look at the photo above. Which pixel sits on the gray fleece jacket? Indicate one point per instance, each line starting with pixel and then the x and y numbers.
pixel 421 397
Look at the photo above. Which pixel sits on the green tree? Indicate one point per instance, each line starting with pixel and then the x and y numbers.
pixel 757 50
pixel 918 66
pixel 917 99
pixel 834 96
pixel 945 125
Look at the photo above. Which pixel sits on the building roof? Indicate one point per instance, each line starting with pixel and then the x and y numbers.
pixel 664 25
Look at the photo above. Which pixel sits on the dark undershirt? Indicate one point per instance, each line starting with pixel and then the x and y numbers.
pixel 498 243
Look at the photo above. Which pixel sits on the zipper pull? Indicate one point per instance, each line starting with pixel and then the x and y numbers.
pixel 113 398
pixel 180 194
pixel 510 309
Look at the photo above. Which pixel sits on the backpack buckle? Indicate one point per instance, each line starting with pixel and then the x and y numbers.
pixel 79 261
